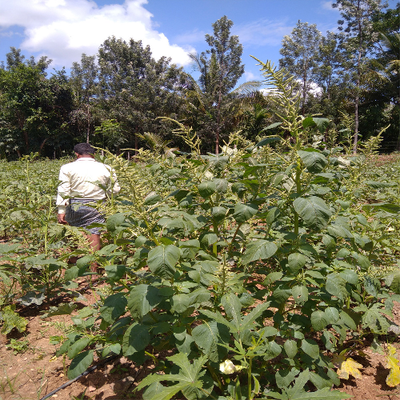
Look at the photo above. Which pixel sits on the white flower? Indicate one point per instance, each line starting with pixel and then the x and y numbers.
pixel 228 367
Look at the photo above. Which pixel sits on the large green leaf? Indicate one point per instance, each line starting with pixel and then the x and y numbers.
pixel 114 221
pixel 189 380
pixel 113 308
pixel 336 286
pixel 80 364
pixel 243 212
pixel 393 281
pixel 300 294
pixel 313 210
pixel 259 250
pixel 142 299
pixel 311 348
pixel 296 261
pixel 136 338
pixel 207 188
pixel 208 335
pixel 319 320
pixel 180 303
pixel 162 260
pixel 388 207
pixel 313 160
pixel 78 346
pixel 270 139
pixel 290 347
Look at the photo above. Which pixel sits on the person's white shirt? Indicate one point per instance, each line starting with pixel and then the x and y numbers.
pixel 85 178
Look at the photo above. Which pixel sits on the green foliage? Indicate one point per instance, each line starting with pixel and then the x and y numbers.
pixel 10 320
pixel 18 346
pixel 236 276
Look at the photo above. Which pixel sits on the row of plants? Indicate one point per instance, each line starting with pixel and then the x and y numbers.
pixel 258 273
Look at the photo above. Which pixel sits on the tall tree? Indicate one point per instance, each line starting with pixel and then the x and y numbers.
pixel 33 109
pixel 357 43
pixel 135 89
pixel 300 54
pixel 220 69
pixel 84 82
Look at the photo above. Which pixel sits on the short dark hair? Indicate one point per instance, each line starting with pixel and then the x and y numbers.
pixel 84 148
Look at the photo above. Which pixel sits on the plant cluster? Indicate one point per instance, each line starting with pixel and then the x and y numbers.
pixel 257 273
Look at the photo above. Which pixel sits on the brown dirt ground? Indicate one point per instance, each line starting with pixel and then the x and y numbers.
pixel 37 372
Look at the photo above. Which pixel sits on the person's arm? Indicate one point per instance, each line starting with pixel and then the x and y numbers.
pixel 63 192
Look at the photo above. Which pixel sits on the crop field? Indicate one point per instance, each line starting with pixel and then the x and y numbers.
pixel 257 273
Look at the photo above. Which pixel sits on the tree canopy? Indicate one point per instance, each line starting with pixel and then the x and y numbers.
pixel 123 98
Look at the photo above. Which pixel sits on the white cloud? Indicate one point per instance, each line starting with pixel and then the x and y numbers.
pixel 249 76
pixel 64 29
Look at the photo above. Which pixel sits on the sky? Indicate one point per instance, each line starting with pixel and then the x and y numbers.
pixel 64 29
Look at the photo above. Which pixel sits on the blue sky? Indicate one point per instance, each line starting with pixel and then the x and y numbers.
pixel 64 29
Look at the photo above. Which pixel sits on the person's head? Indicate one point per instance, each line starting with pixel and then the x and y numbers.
pixel 84 149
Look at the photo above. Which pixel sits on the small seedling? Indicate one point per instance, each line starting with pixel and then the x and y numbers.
pixel 18 346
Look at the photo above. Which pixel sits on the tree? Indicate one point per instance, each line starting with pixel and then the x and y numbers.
pixel 357 43
pixel 84 82
pixel 135 89
pixel 383 98
pixel 220 69
pixel 33 109
pixel 300 55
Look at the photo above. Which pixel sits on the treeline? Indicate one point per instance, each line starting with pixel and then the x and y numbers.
pixel 122 98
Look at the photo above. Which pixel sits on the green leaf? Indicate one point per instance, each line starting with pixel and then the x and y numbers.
pixel 393 281
pixel 114 221
pixel 290 347
pixel 313 160
pixel 349 276
pixel 114 307
pixel 142 299
pixel 313 210
pixel 285 377
pixel 318 320
pixel 135 339
pixel 388 207
pixel 151 199
pixel 336 286
pixel 310 347
pixel 332 315
pixel 80 364
pixel 346 320
pixel 208 335
pixel 12 320
pixel 189 379
pixel 162 260
pixel 243 212
pixel 300 294
pixel 269 139
pixel 296 261
pixel 180 303
pixel 221 185
pixel 233 307
pixel 206 189
pixel 218 213
pixel 115 272
pixel 78 346
pixel 339 231
pixel 259 250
